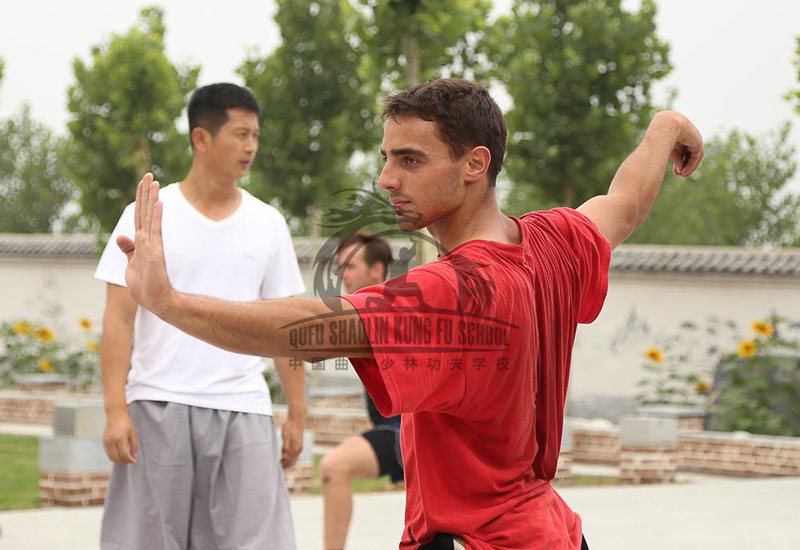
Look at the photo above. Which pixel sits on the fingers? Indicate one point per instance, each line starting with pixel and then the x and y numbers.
pixel 142 191
pixel 134 442
pixel 677 157
pixel 123 451
pixel 152 199
pixel 127 245
pixel 694 161
pixel 155 224
pixel 111 450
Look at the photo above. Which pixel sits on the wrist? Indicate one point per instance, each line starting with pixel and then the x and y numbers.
pixel 297 412
pixel 174 305
pixel 116 409
pixel 667 123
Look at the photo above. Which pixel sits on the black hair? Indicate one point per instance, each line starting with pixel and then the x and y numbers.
pixel 376 249
pixel 208 106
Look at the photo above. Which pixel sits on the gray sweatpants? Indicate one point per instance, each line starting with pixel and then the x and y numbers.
pixel 204 479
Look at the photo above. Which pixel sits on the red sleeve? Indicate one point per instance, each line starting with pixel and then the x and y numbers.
pixel 589 252
pixel 408 322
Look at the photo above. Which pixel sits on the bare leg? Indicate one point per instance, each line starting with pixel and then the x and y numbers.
pixel 354 458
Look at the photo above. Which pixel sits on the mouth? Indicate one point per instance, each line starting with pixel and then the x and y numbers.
pixel 245 163
pixel 398 205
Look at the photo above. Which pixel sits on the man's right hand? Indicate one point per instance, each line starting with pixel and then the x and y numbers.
pixel 119 438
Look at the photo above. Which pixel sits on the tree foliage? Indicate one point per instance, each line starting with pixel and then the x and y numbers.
pixel 794 95
pixel 579 74
pixel 411 41
pixel 315 111
pixel 124 106
pixel 33 190
pixel 737 197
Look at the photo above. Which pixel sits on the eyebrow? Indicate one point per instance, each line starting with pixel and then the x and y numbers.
pixel 406 151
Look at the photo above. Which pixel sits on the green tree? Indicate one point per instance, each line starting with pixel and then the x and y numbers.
pixel 579 74
pixel 33 190
pixel 315 111
pixel 124 108
pixel 411 41
pixel 793 96
pixel 737 197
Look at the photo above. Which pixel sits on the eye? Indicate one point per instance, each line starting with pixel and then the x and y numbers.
pixel 410 161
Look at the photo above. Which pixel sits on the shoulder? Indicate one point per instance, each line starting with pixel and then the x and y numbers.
pixel 266 212
pixel 558 221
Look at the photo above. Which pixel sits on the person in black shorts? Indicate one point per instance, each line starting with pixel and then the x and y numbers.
pixel 363 261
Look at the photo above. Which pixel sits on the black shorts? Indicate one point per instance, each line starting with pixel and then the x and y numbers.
pixel 385 440
pixel 443 541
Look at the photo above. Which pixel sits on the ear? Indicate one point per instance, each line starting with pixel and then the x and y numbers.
pixel 200 139
pixel 379 271
pixel 478 160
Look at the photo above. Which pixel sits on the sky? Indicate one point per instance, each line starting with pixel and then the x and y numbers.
pixel 732 58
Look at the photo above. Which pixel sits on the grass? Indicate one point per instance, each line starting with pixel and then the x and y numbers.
pixel 588 481
pixel 357 485
pixel 19 473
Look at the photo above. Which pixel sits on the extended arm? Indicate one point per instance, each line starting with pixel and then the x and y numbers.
pixel 638 180
pixel 291 327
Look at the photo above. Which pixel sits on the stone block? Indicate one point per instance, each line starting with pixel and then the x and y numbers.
pixel 81 418
pixel 70 455
pixel 641 431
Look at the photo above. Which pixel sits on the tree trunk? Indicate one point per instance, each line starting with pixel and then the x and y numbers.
pixel 316 219
pixel 569 195
pixel 143 156
pixel 411 53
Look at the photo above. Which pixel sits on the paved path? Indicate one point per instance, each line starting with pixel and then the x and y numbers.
pixel 707 514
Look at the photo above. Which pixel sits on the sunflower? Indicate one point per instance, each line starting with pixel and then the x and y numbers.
pixel 45 334
pixel 654 354
pixel 92 346
pixel 21 328
pixel 85 323
pixel 762 328
pixel 747 348
pixel 45 365
pixel 702 387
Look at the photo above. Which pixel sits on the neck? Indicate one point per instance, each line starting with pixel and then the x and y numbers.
pixel 478 217
pixel 205 187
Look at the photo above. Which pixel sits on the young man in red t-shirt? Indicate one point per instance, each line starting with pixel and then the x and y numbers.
pixel 473 349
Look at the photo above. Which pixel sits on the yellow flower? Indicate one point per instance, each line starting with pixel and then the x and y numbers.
pixel 45 365
pixel 654 354
pixel 762 328
pixel 91 346
pixel 747 348
pixel 702 387
pixel 85 323
pixel 21 328
pixel 45 334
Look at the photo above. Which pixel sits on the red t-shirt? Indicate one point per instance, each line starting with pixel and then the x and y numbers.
pixel 474 351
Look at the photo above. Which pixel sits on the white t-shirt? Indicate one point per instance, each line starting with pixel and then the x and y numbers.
pixel 244 257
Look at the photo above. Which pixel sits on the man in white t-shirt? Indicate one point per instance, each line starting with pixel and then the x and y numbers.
pixel 196 459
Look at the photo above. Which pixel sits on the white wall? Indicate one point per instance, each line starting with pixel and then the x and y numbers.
pixel 663 303
pixel 61 291
pixel 56 292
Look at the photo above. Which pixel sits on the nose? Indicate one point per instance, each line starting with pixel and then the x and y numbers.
pixel 387 179
pixel 252 144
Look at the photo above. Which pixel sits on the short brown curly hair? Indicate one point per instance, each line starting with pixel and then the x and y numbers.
pixel 464 112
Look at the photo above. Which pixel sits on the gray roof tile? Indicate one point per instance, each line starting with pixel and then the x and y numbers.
pixel 625 259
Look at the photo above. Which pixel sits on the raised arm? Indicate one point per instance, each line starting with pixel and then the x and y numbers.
pixel 638 180
pixel 291 327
